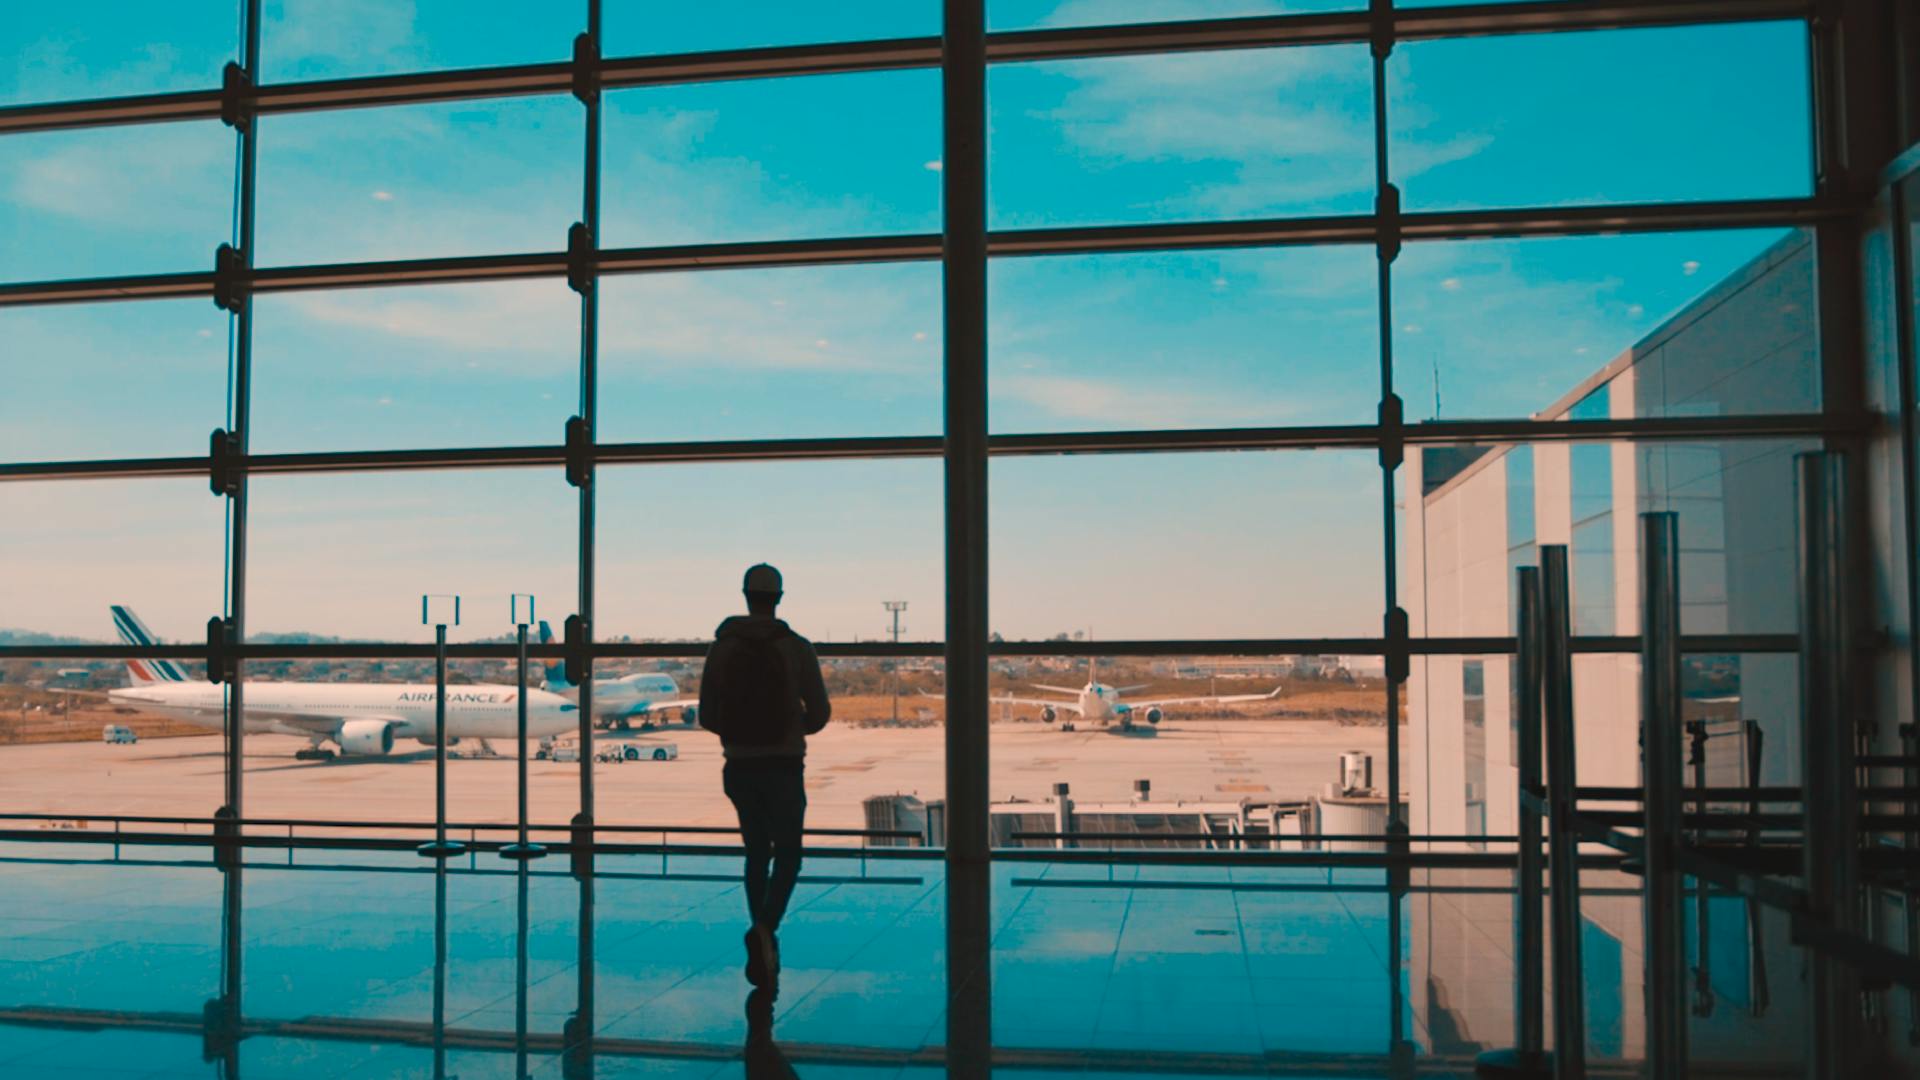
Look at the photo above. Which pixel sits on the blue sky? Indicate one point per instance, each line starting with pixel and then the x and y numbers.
pixel 1207 545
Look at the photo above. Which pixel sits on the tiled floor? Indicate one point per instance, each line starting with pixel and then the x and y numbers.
pixel 105 969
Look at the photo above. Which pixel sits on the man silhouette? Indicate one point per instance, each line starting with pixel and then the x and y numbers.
pixel 762 693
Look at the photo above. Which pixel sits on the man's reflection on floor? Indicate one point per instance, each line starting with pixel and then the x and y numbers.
pixel 763 1056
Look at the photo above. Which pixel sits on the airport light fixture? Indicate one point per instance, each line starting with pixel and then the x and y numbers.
pixel 895 607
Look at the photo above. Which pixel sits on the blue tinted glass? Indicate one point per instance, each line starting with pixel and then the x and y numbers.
pixel 110 49
pixel 1698 112
pixel 1192 136
pixel 330 39
pixel 1521 526
pixel 1606 1003
pixel 1593 611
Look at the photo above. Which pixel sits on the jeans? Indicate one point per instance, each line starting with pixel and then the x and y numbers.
pixel 770 795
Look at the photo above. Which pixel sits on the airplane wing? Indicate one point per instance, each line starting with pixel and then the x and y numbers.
pixel 1208 699
pixel 662 706
pixel 1074 690
pixel 1067 705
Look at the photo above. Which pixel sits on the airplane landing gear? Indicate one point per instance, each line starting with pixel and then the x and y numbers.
pixel 313 753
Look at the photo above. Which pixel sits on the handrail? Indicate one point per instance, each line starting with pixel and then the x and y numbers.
pixel 487 826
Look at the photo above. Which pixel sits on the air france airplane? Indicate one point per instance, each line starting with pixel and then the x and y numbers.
pixel 618 703
pixel 362 719
pixel 1101 704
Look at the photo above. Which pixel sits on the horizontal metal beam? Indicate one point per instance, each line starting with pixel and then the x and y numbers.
pixel 840 58
pixel 925 247
pixel 1703 644
pixel 1329 437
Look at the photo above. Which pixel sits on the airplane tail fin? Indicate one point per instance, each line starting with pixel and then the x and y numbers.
pixel 556 671
pixel 134 632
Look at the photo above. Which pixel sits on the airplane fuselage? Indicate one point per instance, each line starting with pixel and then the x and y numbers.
pixel 480 711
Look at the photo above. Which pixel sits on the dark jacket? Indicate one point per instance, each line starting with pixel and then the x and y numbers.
pixel 811 712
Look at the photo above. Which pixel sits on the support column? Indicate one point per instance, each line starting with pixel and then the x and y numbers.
pixel 1826 734
pixel 1664 949
pixel 1563 865
pixel 964 293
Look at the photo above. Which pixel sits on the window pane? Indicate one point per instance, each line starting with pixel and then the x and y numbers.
pixel 759 354
pixel 775 159
pixel 69 51
pixel 348 557
pixel 1736 547
pixel 1709 112
pixel 1186 545
pixel 1688 324
pixel 1237 746
pixel 1241 134
pixel 1183 340
pixel 328 39
pixel 675 540
pixel 639 28
pixel 73 549
pixel 463 178
pixel 494 364
pixel 102 202
pixel 115 380
pixel 847 536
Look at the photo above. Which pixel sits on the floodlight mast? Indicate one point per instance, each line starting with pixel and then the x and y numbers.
pixel 895 607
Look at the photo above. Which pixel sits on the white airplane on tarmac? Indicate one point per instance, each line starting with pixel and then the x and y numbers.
pixel 1101 704
pixel 645 697
pixel 362 719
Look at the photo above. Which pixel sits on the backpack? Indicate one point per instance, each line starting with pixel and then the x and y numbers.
pixel 757 700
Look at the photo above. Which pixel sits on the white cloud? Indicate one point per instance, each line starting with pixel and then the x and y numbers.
pixel 383 196
pixel 935 165
pixel 1690 267
pixel 1144 403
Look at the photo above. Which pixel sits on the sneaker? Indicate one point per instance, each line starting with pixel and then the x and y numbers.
pixel 756 958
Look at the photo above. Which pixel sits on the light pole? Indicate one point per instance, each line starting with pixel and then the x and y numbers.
pixel 440 847
pixel 524 849
pixel 895 607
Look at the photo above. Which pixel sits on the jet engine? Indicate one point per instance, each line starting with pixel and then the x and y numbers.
pixel 1153 714
pixel 1047 714
pixel 690 714
pixel 366 737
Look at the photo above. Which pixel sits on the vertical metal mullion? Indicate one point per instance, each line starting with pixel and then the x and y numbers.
pixel 963 74
pixel 589 405
pixel 240 432
pixel 1392 452
pixel 582 1025
pixel 1664 948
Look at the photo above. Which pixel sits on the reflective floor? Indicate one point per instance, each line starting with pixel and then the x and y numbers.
pixel 108 969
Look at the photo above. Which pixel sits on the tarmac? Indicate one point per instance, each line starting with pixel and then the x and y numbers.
pixel 1211 760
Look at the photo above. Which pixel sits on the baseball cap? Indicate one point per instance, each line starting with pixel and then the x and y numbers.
pixel 762 578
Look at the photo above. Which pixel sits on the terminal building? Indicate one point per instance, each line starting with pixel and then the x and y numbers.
pixel 1746 347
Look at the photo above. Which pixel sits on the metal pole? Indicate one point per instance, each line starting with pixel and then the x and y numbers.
pixel 440 971
pixel 441 847
pixel 1527 1060
pixel 1826 734
pixel 1664 949
pixel 523 849
pixel 520 979
pixel 1569 991
pixel 964 294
